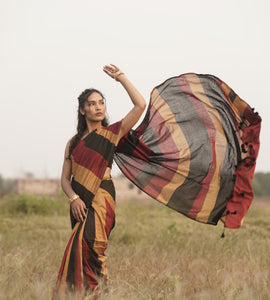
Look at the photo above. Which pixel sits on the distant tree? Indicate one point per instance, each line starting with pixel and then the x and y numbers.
pixel 6 185
pixel 261 184
pixel 29 175
pixel 1 183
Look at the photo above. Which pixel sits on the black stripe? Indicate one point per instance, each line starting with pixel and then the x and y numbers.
pixel 84 194
pixel 89 235
pixel 108 186
pixel 198 141
pixel 100 144
pixel 232 155
pixel 72 261
pixel 232 95
pixel 194 130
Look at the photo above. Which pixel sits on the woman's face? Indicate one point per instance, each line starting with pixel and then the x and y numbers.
pixel 94 108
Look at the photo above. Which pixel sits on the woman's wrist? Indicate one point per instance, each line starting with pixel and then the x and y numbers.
pixel 73 198
pixel 122 79
pixel 119 75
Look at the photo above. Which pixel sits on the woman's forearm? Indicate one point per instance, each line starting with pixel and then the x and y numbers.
pixel 139 103
pixel 133 93
pixel 66 186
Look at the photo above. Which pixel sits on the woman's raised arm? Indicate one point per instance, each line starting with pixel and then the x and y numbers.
pixel 139 103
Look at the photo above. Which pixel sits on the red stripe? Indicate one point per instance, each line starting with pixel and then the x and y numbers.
pixel 243 193
pixel 90 276
pixel 228 101
pixel 203 114
pixel 143 152
pixel 83 156
pixel 167 146
pixel 136 161
pixel 62 266
pixel 114 128
pixel 78 267
pixel 109 218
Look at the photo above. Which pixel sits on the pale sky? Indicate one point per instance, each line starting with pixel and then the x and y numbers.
pixel 50 51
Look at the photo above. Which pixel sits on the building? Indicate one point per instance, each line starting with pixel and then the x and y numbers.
pixel 125 189
pixel 49 187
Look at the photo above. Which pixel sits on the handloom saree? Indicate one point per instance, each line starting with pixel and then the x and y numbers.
pixel 196 149
pixel 84 261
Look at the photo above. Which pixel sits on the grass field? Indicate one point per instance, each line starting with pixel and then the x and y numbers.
pixel 154 252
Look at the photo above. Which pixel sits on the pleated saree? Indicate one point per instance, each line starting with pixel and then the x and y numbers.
pixel 84 261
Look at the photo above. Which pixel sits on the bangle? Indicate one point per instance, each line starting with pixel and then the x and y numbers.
pixel 74 197
pixel 116 74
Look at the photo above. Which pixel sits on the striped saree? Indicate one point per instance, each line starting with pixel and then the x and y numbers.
pixel 195 150
pixel 84 261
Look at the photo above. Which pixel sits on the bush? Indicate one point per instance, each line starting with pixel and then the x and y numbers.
pixel 31 204
pixel 260 184
pixel 6 185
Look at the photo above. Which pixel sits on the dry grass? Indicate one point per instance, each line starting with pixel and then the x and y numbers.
pixel 154 253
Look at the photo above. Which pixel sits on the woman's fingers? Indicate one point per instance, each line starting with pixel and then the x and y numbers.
pixel 79 212
pixel 115 68
pixel 75 215
pixel 110 69
pixel 80 216
pixel 82 211
pixel 108 72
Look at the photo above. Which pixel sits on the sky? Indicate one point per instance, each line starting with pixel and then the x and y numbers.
pixel 50 51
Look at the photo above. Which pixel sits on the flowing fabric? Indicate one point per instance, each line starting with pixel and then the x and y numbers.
pixel 195 152
pixel 196 149
pixel 84 261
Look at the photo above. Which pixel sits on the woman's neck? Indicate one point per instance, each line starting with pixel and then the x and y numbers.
pixel 91 126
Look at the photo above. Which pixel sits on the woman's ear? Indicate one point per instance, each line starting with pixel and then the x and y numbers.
pixel 82 111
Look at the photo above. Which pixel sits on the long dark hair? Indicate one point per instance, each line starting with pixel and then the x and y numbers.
pixel 82 126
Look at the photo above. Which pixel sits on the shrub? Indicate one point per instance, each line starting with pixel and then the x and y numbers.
pixel 32 204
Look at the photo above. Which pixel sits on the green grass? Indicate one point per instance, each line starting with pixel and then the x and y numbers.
pixel 153 253
pixel 30 204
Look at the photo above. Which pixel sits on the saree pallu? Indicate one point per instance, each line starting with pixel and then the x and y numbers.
pixel 84 261
pixel 196 149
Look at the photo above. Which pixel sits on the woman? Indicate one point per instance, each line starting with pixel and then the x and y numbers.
pixel 195 152
pixel 88 158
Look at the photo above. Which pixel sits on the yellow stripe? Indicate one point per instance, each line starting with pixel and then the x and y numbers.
pixel 238 105
pixel 100 244
pixel 107 134
pixel 220 148
pixel 64 275
pixel 110 199
pixel 180 142
pixel 80 242
pixel 85 177
pixel 99 206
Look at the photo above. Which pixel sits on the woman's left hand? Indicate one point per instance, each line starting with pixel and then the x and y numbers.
pixel 113 71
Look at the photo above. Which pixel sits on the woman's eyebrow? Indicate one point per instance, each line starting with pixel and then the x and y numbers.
pixel 95 100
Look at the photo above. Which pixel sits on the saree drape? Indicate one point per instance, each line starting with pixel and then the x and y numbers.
pixel 84 260
pixel 196 149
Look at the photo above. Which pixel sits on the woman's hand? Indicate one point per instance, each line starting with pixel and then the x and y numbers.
pixel 113 71
pixel 78 209
pixel 139 103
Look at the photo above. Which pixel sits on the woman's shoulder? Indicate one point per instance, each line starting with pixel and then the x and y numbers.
pixel 114 128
